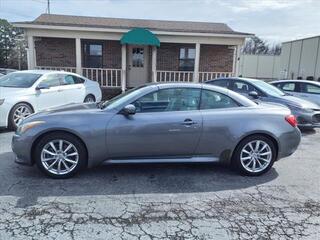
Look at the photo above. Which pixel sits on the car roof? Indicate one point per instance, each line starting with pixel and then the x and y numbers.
pixel 187 85
pixel 295 80
pixel 235 78
pixel 245 101
pixel 162 85
pixel 36 71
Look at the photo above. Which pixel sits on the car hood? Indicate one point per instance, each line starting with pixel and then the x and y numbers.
pixel 6 92
pixel 296 102
pixel 69 110
pixel 72 107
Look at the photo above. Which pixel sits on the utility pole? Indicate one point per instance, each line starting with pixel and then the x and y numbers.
pixel 48 6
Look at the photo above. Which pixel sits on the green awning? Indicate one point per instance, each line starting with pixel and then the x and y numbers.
pixel 140 36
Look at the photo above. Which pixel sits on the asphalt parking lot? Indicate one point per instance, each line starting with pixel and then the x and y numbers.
pixel 171 201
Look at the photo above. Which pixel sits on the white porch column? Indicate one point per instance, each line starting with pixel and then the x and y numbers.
pixel 31 56
pixel 154 64
pixel 78 56
pixel 234 60
pixel 237 62
pixel 123 66
pixel 196 64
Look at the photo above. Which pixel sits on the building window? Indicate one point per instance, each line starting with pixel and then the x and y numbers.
pixel 137 57
pixel 93 55
pixel 186 59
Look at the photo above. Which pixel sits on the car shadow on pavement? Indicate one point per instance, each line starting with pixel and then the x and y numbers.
pixel 307 131
pixel 28 183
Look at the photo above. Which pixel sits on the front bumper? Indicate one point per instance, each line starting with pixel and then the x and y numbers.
pixel 308 120
pixel 21 146
pixel 4 114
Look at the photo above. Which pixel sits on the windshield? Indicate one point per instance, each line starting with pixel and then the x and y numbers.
pixel 120 99
pixel 19 80
pixel 269 89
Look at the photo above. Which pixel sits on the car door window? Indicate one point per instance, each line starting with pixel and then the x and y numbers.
pixel 215 100
pixel 242 87
pixel 68 80
pixel 78 80
pixel 288 87
pixel 51 80
pixel 310 88
pixel 221 83
pixel 174 99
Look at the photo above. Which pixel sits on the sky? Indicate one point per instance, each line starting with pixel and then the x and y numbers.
pixel 273 20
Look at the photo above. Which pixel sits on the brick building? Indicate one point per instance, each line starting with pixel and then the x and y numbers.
pixel 124 53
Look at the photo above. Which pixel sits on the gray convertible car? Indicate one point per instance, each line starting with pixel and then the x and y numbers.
pixel 157 123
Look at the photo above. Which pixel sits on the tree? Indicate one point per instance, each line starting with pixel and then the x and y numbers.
pixel 12 46
pixel 256 45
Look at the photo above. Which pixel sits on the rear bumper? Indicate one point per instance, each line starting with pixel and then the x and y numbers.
pixel 289 142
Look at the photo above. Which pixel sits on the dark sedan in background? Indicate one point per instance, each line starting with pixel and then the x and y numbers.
pixel 307 113
pixel 159 123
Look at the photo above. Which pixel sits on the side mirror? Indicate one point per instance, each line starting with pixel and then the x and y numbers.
pixel 42 86
pixel 254 94
pixel 130 109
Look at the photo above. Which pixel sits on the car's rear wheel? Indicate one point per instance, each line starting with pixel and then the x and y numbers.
pixel 89 99
pixel 255 155
pixel 60 155
pixel 19 112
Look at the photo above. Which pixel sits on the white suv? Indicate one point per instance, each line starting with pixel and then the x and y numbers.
pixel 25 92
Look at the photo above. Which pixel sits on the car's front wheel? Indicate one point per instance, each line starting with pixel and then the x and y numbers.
pixel 19 112
pixel 60 155
pixel 254 155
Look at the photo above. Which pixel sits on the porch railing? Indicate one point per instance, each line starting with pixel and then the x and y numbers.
pixel 66 69
pixel 205 76
pixel 174 76
pixel 106 77
pixel 188 76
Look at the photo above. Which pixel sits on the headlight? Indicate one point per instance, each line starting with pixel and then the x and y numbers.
pixel 25 127
pixel 1 101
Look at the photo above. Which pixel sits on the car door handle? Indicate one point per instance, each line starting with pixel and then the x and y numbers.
pixel 188 122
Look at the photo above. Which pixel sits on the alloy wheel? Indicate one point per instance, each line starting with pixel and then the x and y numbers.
pixel 89 100
pixel 59 157
pixel 21 113
pixel 256 156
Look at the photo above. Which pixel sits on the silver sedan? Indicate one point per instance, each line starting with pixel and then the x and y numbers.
pixel 159 123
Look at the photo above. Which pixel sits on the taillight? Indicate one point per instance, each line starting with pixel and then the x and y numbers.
pixel 292 120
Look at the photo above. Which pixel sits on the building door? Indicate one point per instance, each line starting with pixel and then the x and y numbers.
pixel 138 65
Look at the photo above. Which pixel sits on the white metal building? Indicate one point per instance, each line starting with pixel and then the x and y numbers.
pixel 301 58
pixel 264 67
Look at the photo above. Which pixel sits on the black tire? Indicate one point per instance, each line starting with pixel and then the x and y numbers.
pixel 89 99
pixel 76 142
pixel 11 121
pixel 237 164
